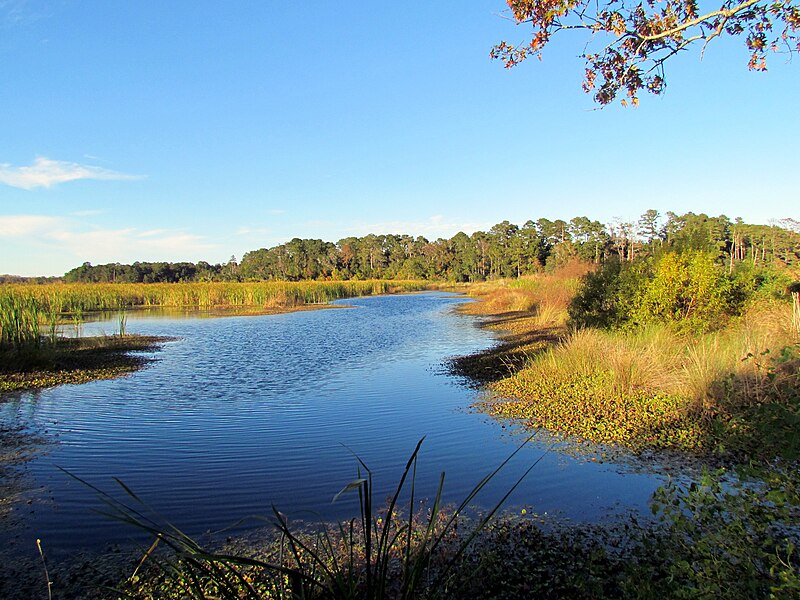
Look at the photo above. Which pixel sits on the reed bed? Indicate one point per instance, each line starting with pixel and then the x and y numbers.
pixel 25 309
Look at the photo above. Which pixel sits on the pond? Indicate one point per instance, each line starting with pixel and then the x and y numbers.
pixel 240 414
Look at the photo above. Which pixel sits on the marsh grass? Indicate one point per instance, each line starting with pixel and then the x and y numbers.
pixel 20 321
pixel 90 297
pixel 26 309
pixel 384 552
pixel 122 322
pixel 659 387
pixel 545 297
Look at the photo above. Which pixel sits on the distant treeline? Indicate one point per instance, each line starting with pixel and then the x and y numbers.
pixel 153 272
pixel 506 250
pixel 21 279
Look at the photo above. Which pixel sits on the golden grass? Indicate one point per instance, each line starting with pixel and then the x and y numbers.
pixel 541 299
pixel 26 310
pixel 112 296
pixel 711 372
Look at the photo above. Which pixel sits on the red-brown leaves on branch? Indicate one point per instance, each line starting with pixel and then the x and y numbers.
pixel 635 40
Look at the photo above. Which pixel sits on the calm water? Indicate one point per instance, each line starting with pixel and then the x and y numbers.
pixel 243 413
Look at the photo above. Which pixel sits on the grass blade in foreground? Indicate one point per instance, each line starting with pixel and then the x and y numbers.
pixel 378 554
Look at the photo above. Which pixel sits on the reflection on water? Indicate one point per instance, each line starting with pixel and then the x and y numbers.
pixel 248 412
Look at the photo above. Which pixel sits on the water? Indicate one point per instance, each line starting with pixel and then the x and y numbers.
pixel 244 413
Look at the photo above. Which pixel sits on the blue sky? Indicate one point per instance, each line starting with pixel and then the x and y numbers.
pixel 200 130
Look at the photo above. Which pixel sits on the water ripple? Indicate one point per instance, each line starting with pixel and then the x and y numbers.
pixel 243 413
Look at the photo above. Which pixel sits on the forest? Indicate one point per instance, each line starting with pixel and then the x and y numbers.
pixel 505 250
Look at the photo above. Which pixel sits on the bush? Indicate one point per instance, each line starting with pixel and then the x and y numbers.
pixel 688 290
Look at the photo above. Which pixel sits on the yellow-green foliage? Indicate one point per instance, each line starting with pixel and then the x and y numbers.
pixel 688 289
pixel 656 386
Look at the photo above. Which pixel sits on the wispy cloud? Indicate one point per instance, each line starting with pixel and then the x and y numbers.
pixel 87 213
pixel 22 12
pixel 130 244
pixel 75 241
pixel 251 231
pixel 45 173
pixel 23 225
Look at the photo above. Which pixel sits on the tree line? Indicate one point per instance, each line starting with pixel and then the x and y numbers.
pixel 505 250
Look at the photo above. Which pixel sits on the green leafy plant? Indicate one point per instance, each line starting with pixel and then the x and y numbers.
pixel 729 537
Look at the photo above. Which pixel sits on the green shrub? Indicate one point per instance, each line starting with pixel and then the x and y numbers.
pixel 689 290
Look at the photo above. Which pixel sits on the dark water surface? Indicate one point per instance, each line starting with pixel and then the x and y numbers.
pixel 242 413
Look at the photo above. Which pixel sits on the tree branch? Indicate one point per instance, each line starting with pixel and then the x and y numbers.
pixel 727 13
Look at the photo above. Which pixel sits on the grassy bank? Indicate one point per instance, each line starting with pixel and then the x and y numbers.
pixel 70 361
pixel 530 314
pixel 731 393
pixel 734 392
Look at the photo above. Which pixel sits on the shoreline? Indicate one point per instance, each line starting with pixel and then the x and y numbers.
pixel 95 358
pixel 518 554
pixel 80 360
pixel 517 343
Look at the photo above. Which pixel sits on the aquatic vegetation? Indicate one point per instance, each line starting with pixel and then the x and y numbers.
pixel 26 309
pixel 723 536
pixel 587 406
pixel 381 553
pixel 72 361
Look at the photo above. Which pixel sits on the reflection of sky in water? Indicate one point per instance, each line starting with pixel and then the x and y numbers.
pixel 243 413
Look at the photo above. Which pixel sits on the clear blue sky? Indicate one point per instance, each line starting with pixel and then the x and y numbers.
pixel 197 130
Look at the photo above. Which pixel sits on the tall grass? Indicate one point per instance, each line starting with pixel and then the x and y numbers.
pixel 112 296
pixel 24 309
pixel 20 321
pixel 658 359
pixel 545 296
